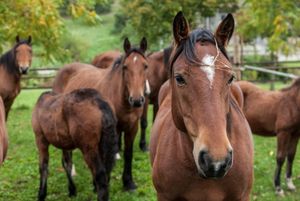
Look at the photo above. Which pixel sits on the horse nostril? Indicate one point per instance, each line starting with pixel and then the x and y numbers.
pixel 130 99
pixel 203 159
pixel 142 99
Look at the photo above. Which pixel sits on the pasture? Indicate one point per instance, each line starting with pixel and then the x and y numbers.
pixel 19 176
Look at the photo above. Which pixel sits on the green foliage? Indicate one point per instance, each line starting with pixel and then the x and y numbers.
pixel 41 19
pixel 276 20
pixel 153 18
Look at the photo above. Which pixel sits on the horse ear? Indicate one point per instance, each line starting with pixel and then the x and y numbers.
pixel 143 45
pixel 126 45
pixel 29 39
pixel 180 28
pixel 17 39
pixel 225 30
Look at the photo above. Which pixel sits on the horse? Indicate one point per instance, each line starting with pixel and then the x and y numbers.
pixel 80 119
pixel 13 64
pixel 3 133
pixel 156 76
pixel 201 145
pixel 275 113
pixel 122 86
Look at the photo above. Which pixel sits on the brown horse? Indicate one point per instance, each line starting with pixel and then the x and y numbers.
pixel 275 113
pixel 80 119
pixel 12 64
pixel 201 145
pixel 156 76
pixel 122 86
pixel 3 133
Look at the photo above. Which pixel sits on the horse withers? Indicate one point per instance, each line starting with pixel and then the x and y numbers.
pixel 122 86
pixel 80 119
pixel 3 133
pixel 201 146
pixel 275 113
pixel 13 64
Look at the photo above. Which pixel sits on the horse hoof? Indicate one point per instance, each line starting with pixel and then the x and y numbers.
pixel 118 156
pixel 279 192
pixel 130 187
pixel 290 184
pixel 144 148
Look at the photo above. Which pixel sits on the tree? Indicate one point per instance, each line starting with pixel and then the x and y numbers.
pixel 275 20
pixel 41 19
pixel 153 18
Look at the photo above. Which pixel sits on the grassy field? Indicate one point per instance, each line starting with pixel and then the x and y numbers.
pixel 19 177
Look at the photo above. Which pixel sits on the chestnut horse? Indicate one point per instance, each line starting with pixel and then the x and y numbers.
pixel 80 119
pixel 122 86
pixel 157 74
pixel 201 145
pixel 275 113
pixel 12 64
pixel 3 133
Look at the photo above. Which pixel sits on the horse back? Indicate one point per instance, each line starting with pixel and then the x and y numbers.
pixel 65 74
pixel 106 59
pixel 3 133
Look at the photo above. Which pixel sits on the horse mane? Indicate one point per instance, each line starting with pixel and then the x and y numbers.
pixel 7 60
pixel 122 58
pixel 295 84
pixel 187 46
pixel 167 55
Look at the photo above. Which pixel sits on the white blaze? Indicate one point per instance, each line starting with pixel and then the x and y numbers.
pixel 209 67
pixel 135 59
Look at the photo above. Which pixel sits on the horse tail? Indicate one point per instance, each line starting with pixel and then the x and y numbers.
pixel 108 145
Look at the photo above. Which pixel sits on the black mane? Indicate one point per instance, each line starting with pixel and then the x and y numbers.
pixel 8 60
pixel 122 58
pixel 187 46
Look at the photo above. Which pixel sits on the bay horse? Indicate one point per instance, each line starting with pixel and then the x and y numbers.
pixel 275 113
pixel 3 133
pixel 80 119
pixel 13 64
pixel 122 86
pixel 157 74
pixel 201 145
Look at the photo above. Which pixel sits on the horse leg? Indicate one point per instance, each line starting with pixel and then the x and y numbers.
pixel 43 145
pixel 144 124
pixel 290 158
pixel 97 168
pixel 7 104
pixel 67 164
pixel 282 145
pixel 119 131
pixel 129 136
pixel 155 108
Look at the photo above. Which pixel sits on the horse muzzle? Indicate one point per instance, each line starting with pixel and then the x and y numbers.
pixel 136 102
pixel 214 169
pixel 23 70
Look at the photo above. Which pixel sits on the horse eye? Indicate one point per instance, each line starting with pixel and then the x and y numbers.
pixel 125 67
pixel 180 80
pixel 146 66
pixel 231 79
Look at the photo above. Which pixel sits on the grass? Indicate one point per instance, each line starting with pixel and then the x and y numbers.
pixel 19 177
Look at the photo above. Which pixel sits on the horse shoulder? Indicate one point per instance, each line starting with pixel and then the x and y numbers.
pixel 165 89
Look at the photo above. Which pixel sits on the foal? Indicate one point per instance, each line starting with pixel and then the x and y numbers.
pixel 12 64
pixel 80 119
pixel 275 113
pixel 201 147
pixel 3 133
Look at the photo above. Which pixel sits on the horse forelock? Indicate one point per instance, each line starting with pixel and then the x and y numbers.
pixel 119 61
pixel 187 46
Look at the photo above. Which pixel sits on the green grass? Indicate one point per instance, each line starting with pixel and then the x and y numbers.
pixel 19 177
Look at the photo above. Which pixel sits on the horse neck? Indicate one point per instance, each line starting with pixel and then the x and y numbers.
pixel 116 88
pixel 8 63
